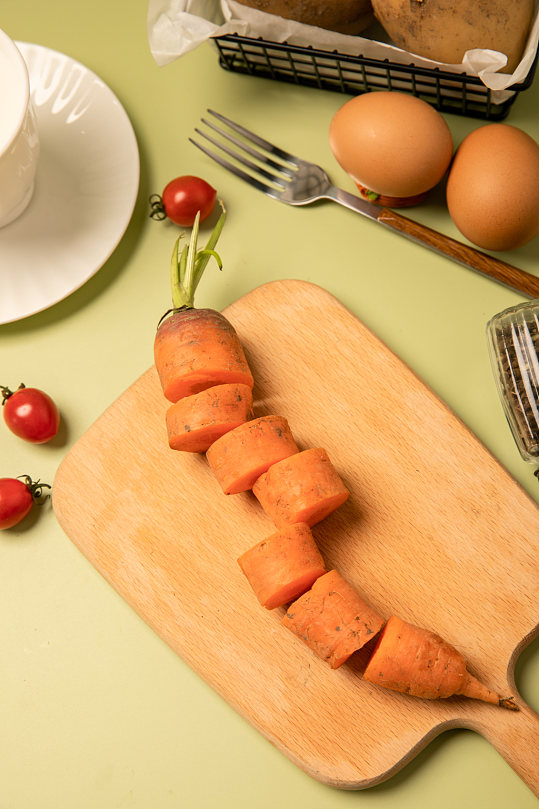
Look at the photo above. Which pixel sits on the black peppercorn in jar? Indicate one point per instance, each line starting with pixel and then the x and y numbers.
pixel 513 340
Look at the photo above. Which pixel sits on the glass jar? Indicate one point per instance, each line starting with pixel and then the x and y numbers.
pixel 513 341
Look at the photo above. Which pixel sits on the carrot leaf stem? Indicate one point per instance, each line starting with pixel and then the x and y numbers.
pixel 174 273
pixel 210 247
pixel 188 276
pixel 187 268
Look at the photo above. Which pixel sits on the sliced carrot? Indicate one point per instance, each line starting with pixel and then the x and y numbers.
pixel 415 661
pixel 242 455
pixel 283 566
pixel 333 619
pixel 302 488
pixel 195 422
pixel 195 349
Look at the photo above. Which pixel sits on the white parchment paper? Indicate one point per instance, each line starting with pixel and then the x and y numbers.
pixel 176 27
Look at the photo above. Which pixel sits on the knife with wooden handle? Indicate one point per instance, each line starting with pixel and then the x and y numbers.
pixel 466 255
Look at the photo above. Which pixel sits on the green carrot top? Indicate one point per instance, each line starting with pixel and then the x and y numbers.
pixel 187 267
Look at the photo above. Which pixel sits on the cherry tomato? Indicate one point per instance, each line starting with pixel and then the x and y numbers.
pixel 181 200
pixel 30 413
pixel 17 496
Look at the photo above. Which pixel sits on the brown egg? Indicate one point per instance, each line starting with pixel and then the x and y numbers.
pixel 392 144
pixel 493 187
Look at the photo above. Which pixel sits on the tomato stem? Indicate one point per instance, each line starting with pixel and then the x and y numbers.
pixel 6 392
pixel 157 207
pixel 35 487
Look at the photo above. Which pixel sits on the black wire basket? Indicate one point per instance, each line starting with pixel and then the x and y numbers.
pixel 451 92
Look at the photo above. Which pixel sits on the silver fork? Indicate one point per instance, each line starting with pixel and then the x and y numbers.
pixel 289 179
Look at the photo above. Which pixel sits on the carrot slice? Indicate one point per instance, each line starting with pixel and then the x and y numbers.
pixel 415 661
pixel 195 349
pixel 302 488
pixel 283 566
pixel 333 619
pixel 240 456
pixel 195 422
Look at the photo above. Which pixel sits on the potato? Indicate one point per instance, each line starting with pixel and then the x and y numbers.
pixel 344 16
pixel 443 30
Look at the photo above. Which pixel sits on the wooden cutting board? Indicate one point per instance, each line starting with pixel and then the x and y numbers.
pixel 435 530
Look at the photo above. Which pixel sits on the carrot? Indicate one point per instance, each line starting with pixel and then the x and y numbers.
pixel 415 661
pixel 303 488
pixel 196 348
pixel 283 566
pixel 240 456
pixel 195 422
pixel 333 619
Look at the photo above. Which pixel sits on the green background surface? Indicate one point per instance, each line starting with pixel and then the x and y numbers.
pixel 95 710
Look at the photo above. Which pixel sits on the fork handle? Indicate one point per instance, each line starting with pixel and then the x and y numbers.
pixel 468 256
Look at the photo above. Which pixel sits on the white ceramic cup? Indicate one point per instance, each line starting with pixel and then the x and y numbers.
pixel 19 138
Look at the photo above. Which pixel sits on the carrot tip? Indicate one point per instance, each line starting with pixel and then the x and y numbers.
pixel 507 702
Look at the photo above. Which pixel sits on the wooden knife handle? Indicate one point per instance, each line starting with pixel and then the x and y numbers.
pixel 468 256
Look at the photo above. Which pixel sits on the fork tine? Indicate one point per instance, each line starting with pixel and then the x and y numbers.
pixel 243 160
pixel 280 167
pixel 266 189
pixel 261 142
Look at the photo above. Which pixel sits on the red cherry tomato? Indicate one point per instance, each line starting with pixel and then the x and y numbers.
pixel 31 414
pixel 17 496
pixel 181 200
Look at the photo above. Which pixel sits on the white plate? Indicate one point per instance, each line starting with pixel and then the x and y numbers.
pixel 86 187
